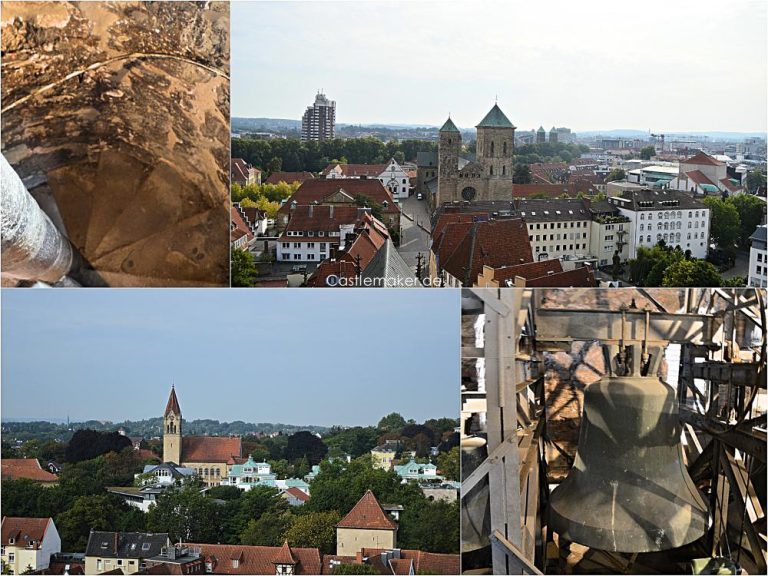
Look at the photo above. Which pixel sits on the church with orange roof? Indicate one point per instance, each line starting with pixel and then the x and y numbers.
pixel 210 456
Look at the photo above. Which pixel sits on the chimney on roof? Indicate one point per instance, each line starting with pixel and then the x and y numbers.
pixel 311 210
pixel 330 212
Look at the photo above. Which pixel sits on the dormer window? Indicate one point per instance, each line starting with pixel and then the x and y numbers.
pixel 235 563
pixel 11 540
pixel 145 546
pixel 282 569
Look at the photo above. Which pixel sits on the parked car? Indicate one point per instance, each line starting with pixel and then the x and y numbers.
pixel 299 268
pixel 419 196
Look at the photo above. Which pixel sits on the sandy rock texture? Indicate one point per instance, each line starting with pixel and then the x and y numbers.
pixel 116 117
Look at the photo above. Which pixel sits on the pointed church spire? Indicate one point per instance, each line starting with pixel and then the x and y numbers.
pixel 173 403
pixel 449 126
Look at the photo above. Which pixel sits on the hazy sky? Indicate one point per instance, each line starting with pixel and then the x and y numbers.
pixel 690 65
pixel 292 356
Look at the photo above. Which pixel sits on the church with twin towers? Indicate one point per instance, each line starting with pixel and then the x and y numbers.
pixel 486 177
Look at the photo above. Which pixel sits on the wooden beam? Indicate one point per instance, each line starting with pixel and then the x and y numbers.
pixel 517 561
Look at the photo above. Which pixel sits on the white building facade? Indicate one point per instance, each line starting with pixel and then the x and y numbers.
pixel 671 216
pixel 758 259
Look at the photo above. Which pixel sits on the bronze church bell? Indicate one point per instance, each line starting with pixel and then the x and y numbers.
pixel 628 490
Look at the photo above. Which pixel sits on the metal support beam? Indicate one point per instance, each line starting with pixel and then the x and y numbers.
pixel 32 247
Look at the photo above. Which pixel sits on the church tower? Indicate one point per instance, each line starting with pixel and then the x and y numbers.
pixel 448 150
pixel 172 430
pixel 495 145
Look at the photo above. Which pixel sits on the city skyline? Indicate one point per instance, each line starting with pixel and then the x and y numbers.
pixel 113 355
pixel 571 69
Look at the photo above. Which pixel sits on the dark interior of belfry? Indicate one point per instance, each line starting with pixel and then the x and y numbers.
pixel 613 431
pixel 115 143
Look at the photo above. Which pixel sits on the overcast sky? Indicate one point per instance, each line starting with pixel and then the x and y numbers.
pixel 291 356
pixel 690 65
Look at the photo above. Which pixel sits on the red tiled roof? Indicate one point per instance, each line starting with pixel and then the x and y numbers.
pixel 383 563
pixel 698 177
pixel 528 270
pixel 298 494
pixel 239 224
pixel 325 218
pixel 367 514
pixel 15 468
pixel 258 559
pixel 24 531
pixel 730 186
pixel 582 277
pixel 327 268
pixel 239 170
pixel 493 243
pixel 446 218
pixel 318 190
pixel 173 403
pixel 289 177
pixel 284 556
pixel 210 449
pixel 702 158
pixel 451 238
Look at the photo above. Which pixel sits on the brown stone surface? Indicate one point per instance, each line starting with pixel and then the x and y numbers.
pixel 121 111
pixel 671 300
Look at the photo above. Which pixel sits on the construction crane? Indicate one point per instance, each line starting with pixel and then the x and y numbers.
pixel 659 137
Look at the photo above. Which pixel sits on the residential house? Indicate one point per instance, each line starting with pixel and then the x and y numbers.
pixel 369 259
pixel 346 192
pixel 315 233
pixel 281 560
pixel 165 474
pixel 176 559
pixel 141 497
pixel 392 175
pixel 557 228
pixel 240 235
pixel 251 219
pixel 125 551
pixel 29 468
pixel 413 470
pixel 458 255
pixel 383 457
pixel 365 526
pixel 758 259
pixel 396 561
pixel 249 474
pixel 609 232
pixel 295 496
pixel 243 173
pixel 676 217
pixel 27 544
pixel 703 174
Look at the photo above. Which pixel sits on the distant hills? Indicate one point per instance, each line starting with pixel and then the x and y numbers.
pixel 45 429
pixel 240 124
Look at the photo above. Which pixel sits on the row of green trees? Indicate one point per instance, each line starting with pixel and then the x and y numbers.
pixel 293 155
pixel 80 503
pixel 733 220
pixel 666 266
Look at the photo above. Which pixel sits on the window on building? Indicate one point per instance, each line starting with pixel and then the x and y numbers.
pixel 648 238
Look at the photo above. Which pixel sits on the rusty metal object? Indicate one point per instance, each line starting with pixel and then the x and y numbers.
pixel 628 490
